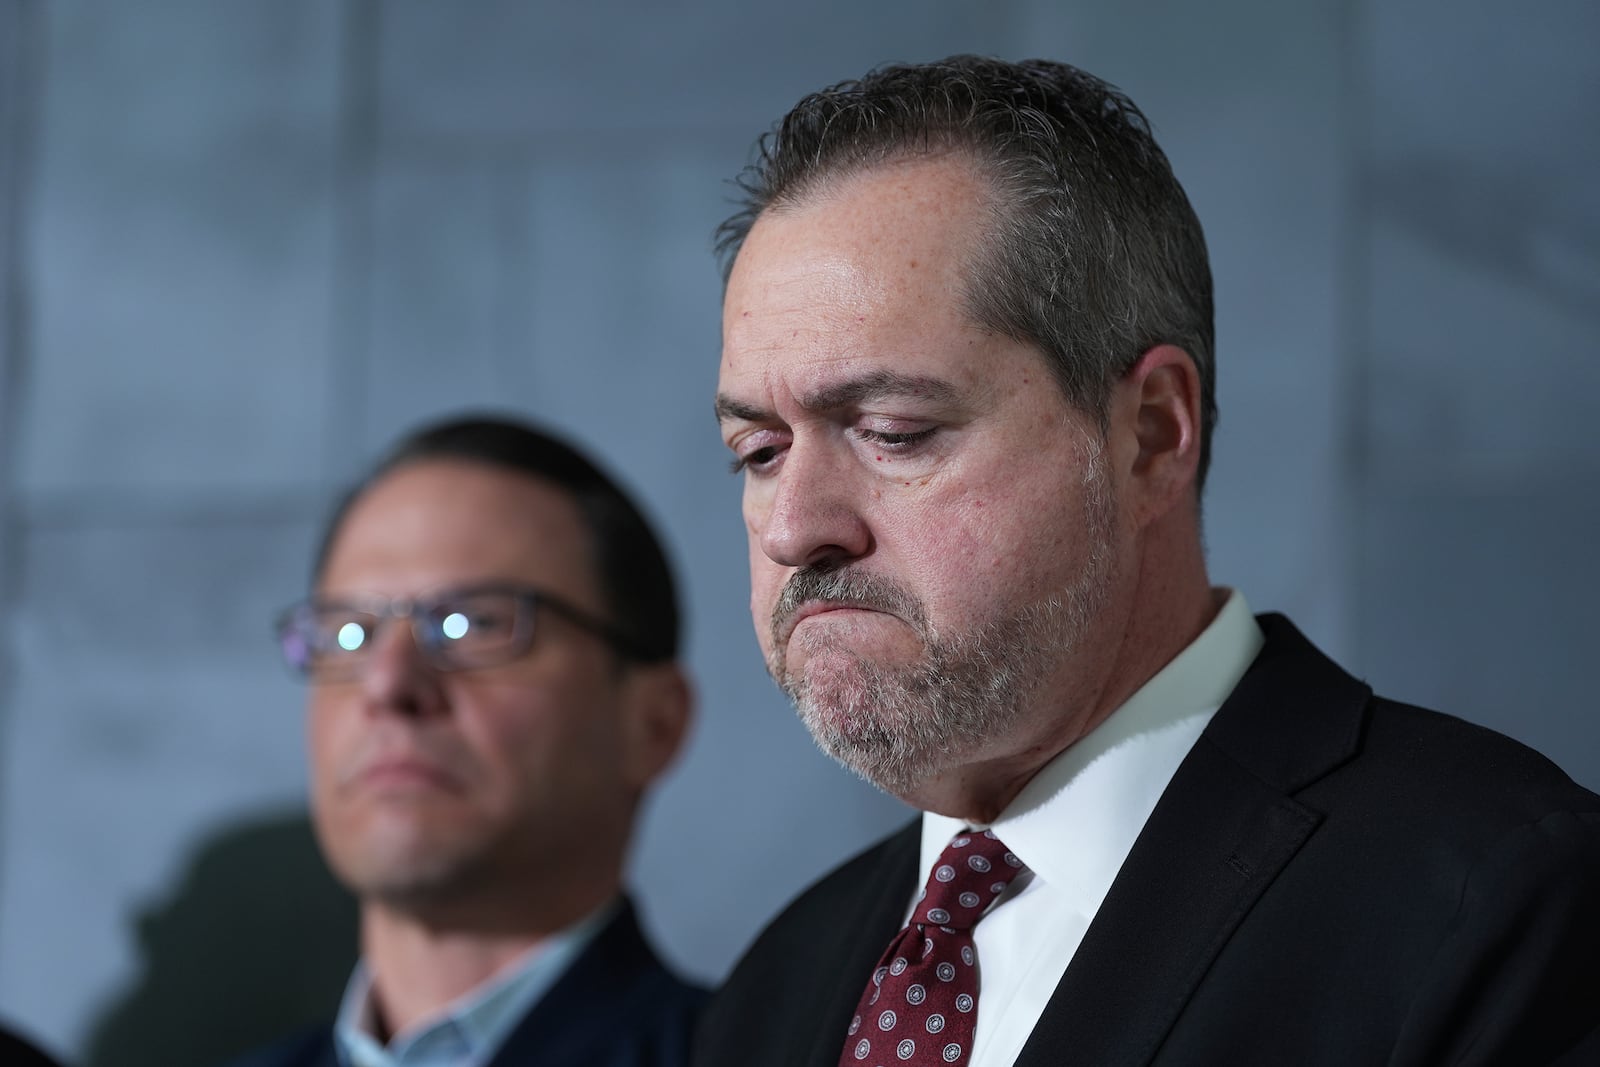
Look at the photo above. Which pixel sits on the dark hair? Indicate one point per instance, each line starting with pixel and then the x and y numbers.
pixel 635 579
pixel 1096 254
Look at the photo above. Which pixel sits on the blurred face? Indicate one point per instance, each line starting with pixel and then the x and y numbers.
pixel 933 538
pixel 427 782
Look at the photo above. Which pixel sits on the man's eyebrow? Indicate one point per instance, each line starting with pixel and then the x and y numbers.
pixel 729 408
pixel 875 385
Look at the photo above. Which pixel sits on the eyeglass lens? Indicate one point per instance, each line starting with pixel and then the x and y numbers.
pixel 472 629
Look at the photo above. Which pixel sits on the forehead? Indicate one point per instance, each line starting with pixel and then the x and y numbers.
pixel 876 260
pixel 435 523
pixel 905 229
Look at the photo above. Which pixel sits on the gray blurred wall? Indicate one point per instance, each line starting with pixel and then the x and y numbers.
pixel 243 244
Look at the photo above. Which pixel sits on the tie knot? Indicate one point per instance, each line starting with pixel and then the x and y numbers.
pixel 974 868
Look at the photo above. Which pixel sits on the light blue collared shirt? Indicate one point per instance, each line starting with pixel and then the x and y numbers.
pixel 470 1030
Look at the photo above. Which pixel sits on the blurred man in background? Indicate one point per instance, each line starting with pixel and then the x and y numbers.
pixel 968 374
pixel 491 644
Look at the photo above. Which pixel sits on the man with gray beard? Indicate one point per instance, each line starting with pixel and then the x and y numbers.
pixel 894 725
pixel 968 376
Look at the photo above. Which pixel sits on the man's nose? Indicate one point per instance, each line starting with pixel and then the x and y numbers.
pixel 812 515
pixel 397 677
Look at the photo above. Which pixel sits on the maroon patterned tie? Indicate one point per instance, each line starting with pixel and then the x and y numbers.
pixel 921 1007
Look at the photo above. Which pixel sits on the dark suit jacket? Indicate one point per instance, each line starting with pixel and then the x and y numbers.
pixel 616 1006
pixel 1330 878
pixel 15 1051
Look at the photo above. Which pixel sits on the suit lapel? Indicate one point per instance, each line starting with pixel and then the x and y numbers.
pixel 1223 829
pixel 1197 868
pixel 866 923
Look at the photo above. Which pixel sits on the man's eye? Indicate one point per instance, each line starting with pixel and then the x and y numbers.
pixel 756 460
pixel 344 635
pixel 457 625
pixel 897 441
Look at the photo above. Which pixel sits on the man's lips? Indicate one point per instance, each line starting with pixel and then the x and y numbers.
pixel 403 773
pixel 813 608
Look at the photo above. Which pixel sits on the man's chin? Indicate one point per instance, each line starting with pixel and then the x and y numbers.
pixel 886 769
pixel 846 726
pixel 407 873
pixel 843 673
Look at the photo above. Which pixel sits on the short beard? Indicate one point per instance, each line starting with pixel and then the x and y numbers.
pixel 899 727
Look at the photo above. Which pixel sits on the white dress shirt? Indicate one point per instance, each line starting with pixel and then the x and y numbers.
pixel 1075 823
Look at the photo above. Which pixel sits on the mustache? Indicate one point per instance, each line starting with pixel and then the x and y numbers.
pixel 834 584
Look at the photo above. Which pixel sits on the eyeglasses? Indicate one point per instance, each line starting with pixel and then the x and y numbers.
pixel 457 630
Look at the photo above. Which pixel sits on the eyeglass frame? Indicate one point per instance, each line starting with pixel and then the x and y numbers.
pixel 529 598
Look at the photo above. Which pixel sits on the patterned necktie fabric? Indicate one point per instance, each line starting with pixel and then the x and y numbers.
pixel 921 1007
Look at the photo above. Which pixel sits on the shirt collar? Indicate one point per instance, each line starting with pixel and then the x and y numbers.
pixel 471 1028
pixel 1076 821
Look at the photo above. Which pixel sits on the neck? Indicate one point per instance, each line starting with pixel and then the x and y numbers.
pixel 424 957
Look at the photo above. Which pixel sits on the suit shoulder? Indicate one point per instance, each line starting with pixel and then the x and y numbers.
pixel 1478 772
pixel 662 1001
pixel 618 1005
pixel 1302 723
pixel 1436 798
pixel 307 1048
pixel 821 900
pixel 650 1025
pixel 743 1014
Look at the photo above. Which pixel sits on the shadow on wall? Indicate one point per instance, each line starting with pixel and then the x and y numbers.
pixel 257 942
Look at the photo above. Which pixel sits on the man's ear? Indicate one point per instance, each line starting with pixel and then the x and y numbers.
pixel 658 707
pixel 1155 411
